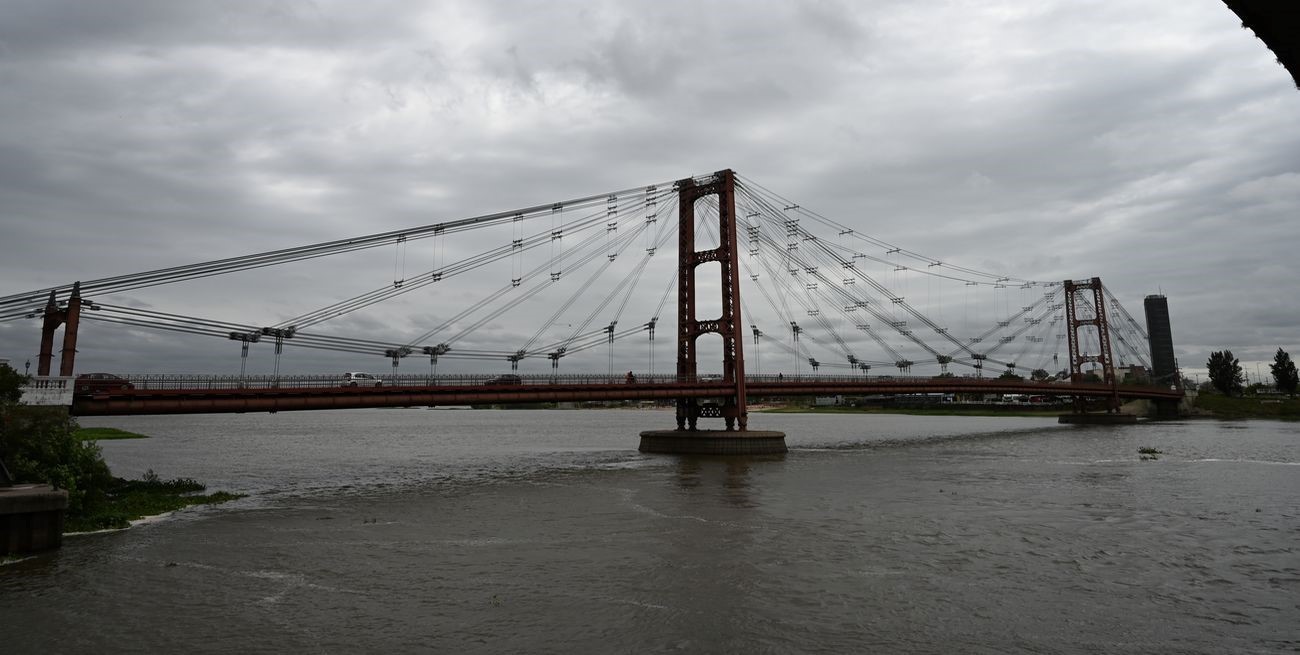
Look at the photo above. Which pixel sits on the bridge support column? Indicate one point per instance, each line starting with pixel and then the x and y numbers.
pixel 688 438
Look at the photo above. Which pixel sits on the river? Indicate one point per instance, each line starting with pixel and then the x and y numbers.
pixel 477 531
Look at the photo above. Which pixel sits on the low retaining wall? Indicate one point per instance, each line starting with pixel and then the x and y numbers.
pixel 31 518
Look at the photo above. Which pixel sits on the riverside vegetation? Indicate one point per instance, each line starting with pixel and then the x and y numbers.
pixel 1207 404
pixel 45 445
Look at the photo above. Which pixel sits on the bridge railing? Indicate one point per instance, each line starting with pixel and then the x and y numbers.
pixel 174 381
pixel 178 381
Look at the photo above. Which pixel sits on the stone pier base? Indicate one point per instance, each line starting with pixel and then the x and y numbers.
pixel 1098 419
pixel 713 442
pixel 31 518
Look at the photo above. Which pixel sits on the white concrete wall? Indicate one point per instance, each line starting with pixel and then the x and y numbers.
pixel 52 390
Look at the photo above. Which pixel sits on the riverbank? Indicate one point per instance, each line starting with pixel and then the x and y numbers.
pixel 44 445
pixel 125 501
pixel 1245 407
pixel 1204 406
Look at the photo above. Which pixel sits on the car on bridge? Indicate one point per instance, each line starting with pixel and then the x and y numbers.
pixel 506 379
pixel 359 379
pixel 101 383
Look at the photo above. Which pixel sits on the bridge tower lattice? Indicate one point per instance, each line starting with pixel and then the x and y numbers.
pixel 723 185
pixel 1082 311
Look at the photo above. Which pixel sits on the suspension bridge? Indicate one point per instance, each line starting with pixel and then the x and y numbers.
pixel 547 290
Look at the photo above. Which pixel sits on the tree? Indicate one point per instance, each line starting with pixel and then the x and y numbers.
pixel 1284 372
pixel 11 383
pixel 1225 372
pixel 10 392
pixel 1039 375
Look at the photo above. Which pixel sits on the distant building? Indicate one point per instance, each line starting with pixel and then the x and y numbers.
pixel 1133 374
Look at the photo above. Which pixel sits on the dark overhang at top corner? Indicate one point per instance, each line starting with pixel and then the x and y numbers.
pixel 1277 24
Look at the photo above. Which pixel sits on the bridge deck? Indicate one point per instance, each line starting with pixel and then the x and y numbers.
pixel 195 395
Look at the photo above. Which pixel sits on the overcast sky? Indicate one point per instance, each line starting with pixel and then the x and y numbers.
pixel 1155 144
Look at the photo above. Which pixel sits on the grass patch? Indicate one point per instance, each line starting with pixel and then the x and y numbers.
pixel 100 434
pixel 128 500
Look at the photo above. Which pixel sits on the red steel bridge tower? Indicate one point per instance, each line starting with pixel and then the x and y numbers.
pixel 687 438
pixel 728 325
pixel 1085 307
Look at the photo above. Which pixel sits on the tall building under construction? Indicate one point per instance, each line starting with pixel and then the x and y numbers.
pixel 1164 367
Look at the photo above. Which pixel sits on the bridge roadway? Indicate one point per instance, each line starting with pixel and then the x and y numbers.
pixel 179 394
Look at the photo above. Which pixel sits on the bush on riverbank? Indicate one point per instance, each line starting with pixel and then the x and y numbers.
pixel 128 500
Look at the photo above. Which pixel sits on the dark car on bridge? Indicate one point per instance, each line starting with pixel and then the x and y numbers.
pixel 506 379
pixel 101 383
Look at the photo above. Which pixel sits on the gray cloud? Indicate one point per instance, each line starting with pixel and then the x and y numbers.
pixel 1154 146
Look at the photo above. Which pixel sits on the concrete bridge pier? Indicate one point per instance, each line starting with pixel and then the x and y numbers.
pixel 713 442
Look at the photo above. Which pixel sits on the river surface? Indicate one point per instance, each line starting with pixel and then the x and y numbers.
pixel 475 531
